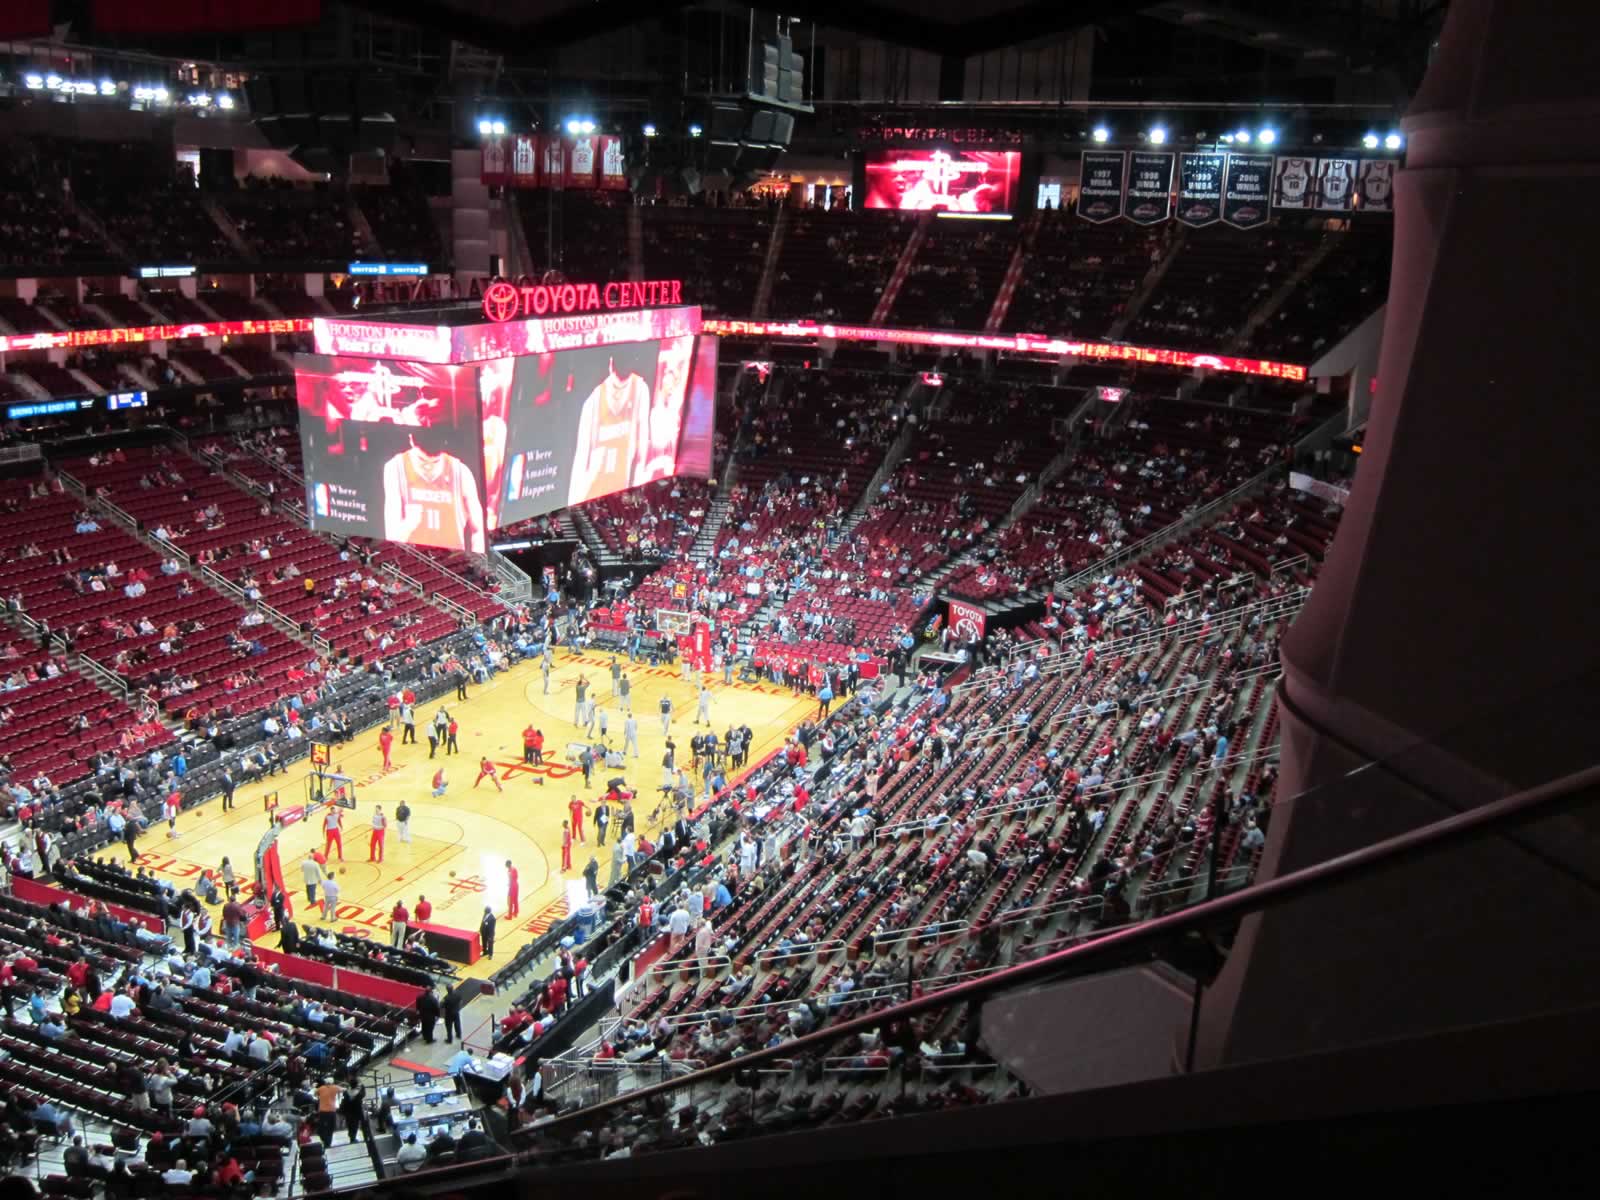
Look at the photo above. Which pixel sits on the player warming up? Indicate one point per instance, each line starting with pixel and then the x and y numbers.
pixel 486 771
pixel 333 831
pixel 513 889
pixel 375 845
pixel 577 808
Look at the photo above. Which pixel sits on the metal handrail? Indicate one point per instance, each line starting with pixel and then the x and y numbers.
pixel 1517 809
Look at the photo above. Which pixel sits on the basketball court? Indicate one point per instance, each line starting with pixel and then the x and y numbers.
pixel 461 841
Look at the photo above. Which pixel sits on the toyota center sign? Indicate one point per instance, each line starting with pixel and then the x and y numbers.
pixel 507 301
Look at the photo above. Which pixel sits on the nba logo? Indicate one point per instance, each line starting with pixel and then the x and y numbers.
pixel 320 499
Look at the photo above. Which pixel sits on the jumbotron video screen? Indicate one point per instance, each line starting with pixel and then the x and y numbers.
pixel 442 455
pixel 956 181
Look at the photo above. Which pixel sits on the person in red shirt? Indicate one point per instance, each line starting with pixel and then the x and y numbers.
pixel 450 746
pixel 538 747
pixel 566 846
pixel 78 972
pixel 555 995
pixel 513 890
pixel 486 771
pixel 647 912
pixel 424 909
pixel 528 735
pixel 398 919
pixel 577 808
pixel 385 740
pixel 174 802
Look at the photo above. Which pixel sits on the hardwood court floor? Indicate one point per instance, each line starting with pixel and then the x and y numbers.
pixel 460 842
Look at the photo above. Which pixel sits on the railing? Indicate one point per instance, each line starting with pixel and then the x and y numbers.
pixel 516 582
pixel 1145 545
pixel 106 677
pixel 1151 897
pixel 21 452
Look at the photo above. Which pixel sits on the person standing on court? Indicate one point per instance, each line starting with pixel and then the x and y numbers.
pixel 625 695
pixel 461 683
pixel 566 846
pixel 486 931
pixel 441 721
pixel 704 714
pixel 385 743
pixel 428 1012
pixel 380 823
pixel 602 818
pixel 450 746
pixel 311 870
pixel 586 761
pixel 433 740
pixel 577 808
pixel 402 823
pixel 330 898
pixel 333 831
pixel 513 890
pixel 528 734
pixel 544 668
pixel 452 1015
pixel 538 747
pixel 408 725
pixel 398 919
pixel 630 732
pixel 616 673
pixel 591 876
pixel 580 705
pixel 666 715
pixel 227 788
pixel 486 771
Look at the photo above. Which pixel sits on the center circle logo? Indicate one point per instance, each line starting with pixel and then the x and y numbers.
pixel 500 301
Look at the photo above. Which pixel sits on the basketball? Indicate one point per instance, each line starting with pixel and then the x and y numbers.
pixel 344 870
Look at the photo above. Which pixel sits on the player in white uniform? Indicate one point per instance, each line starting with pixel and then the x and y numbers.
pixel 1294 182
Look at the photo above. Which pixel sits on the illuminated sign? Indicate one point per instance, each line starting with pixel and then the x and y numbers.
pixel 442 345
pixel 366 268
pixel 1111 395
pixel 1016 343
pixel 932 379
pixel 507 301
pixel 75 339
pixel 118 400
pixel 964 181
pixel 21 412
pixel 166 272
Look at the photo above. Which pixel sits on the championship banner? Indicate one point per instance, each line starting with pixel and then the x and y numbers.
pixel 1336 184
pixel 613 174
pixel 583 161
pixel 1100 185
pixel 1376 185
pixel 1292 182
pixel 552 161
pixel 1247 191
pixel 1149 188
pixel 1200 188
pixel 495 171
pixel 524 161
pixel 966 620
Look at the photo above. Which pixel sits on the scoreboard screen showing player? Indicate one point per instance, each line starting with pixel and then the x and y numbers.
pixel 575 425
pixel 958 181
pixel 392 450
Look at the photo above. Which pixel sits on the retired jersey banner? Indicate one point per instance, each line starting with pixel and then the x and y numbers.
pixel 966 620
pixel 1247 191
pixel 1336 184
pixel 496 169
pixel 583 161
pixel 552 161
pixel 1149 187
pixel 1376 186
pixel 524 161
pixel 1100 185
pixel 613 174
pixel 1200 188
pixel 1292 182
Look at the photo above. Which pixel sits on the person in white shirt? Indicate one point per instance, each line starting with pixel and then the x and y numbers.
pixel 122 1006
pixel 411 1156
pixel 678 924
pixel 178 1175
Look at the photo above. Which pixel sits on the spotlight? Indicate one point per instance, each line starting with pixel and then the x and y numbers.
pixel 52 81
pixel 1158 136
pixel 1242 135
pixel 1370 141
pixel 34 81
pixel 200 100
pixel 587 127
pixel 162 95
pixel 485 126
pixel 498 127
pixel 1392 142
pixel 1101 134
pixel 649 131
pixel 107 88
pixel 695 131
pixel 1267 136
pixel 574 126
pixel 225 101
pixel 1226 139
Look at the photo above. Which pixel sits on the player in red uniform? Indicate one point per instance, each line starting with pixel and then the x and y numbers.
pixel 566 846
pixel 486 771
pixel 333 830
pixel 385 741
pixel 577 808
pixel 513 887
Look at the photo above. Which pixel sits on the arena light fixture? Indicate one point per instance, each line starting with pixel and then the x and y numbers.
pixel 1267 136
pixel 586 127
pixel 162 95
pixel 108 88
pixel 52 81
pixel 498 127
pixel 225 101
pixel 1242 135
pixel 649 131
pixel 1226 139
pixel 695 131
pixel 1370 141
pixel 34 81
pixel 574 126
pixel 485 127
pixel 200 100
pixel 1101 134
pixel 1158 136
pixel 1392 142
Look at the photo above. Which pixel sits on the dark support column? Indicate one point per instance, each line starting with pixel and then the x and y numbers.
pixel 1454 627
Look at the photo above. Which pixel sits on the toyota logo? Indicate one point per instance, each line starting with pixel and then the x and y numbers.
pixel 967 629
pixel 501 301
